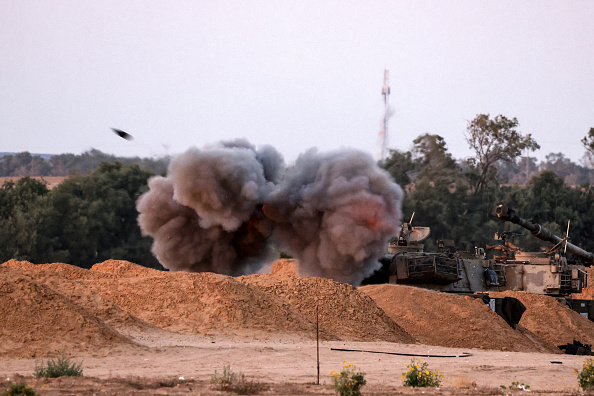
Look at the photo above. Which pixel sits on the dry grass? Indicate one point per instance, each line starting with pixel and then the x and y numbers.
pixel 463 383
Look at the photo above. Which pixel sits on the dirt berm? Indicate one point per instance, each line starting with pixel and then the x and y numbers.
pixel 54 308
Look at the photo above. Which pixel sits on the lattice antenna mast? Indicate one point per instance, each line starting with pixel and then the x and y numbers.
pixel 383 134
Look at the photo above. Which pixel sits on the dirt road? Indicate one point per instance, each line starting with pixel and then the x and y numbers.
pixel 289 366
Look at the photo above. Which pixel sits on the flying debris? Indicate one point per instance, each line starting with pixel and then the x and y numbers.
pixel 122 134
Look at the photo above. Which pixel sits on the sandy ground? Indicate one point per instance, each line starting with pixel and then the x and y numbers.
pixel 289 367
pixel 138 331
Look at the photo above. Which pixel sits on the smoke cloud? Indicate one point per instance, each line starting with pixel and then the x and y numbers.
pixel 337 212
pixel 221 209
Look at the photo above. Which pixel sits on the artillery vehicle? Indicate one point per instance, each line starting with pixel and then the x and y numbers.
pixel 549 272
pixel 472 273
pixel 528 270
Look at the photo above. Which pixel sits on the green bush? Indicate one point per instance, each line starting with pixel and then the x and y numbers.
pixel 58 367
pixel 228 381
pixel 586 375
pixel 419 375
pixel 349 381
pixel 15 389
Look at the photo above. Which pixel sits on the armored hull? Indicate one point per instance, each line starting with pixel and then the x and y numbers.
pixel 471 272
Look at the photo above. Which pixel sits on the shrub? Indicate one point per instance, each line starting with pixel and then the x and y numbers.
pixel 228 381
pixel 223 380
pixel 419 375
pixel 586 375
pixel 58 367
pixel 516 385
pixel 15 389
pixel 349 381
pixel 285 255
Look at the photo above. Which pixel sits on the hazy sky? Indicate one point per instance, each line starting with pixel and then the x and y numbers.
pixel 293 74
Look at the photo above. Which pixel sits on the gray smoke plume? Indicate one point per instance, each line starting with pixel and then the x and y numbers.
pixel 204 216
pixel 336 212
pixel 219 207
pixel 180 243
pixel 222 184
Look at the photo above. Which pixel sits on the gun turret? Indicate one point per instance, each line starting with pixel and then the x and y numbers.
pixel 543 233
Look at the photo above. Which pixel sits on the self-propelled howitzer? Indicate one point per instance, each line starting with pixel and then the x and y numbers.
pixel 549 272
pixel 543 233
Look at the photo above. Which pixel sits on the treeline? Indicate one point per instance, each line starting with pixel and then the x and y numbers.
pixel 457 198
pixel 92 217
pixel 524 168
pixel 84 220
pixel 27 164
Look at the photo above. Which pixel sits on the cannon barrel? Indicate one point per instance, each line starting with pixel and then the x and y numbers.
pixel 508 214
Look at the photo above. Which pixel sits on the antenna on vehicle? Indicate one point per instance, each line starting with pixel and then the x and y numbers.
pixel 566 236
pixel 564 240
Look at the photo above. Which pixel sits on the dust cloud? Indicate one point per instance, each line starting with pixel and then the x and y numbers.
pixel 229 208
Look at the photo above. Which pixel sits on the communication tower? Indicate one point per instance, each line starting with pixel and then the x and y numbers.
pixel 383 134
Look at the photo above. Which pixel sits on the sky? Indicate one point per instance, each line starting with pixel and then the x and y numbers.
pixel 292 74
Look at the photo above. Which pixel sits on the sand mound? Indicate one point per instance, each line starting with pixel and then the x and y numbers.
pixel 344 312
pixel 204 303
pixel 285 267
pixel 16 264
pixel 89 300
pixel 552 320
pixel 450 320
pixel 65 270
pixel 37 321
pixel 50 308
pixel 125 268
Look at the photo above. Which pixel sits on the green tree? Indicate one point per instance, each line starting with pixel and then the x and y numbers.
pixel 436 165
pixel 588 159
pixel 588 141
pixel 569 171
pixel 519 171
pixel 399 165
pixel 429 159
pixel 549 201
pixel 23 164
pixel 27 164
pixel 438 192
pixel 89 219
pixel 19 230
pixel 494 140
